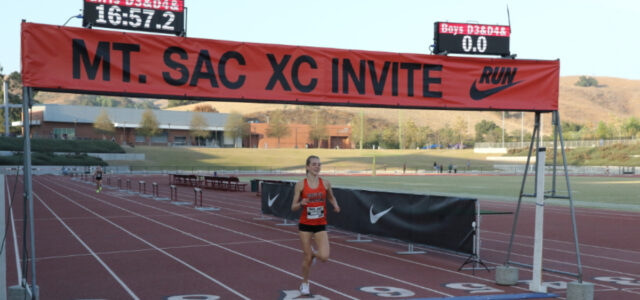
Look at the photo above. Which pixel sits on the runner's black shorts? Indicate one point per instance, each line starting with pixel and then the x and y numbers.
pixel 312 228
pixel 98 177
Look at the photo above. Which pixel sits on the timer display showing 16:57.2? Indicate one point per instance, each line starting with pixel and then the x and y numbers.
pixel 134 18
pixel 129 17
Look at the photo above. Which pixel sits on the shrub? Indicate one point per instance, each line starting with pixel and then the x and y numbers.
pixel 585 81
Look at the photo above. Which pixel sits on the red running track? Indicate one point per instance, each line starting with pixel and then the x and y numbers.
pixel 119 245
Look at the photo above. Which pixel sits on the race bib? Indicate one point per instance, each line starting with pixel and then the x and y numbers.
pixel 315 212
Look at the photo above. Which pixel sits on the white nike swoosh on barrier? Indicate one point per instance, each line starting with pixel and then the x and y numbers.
pixel 375 217
pixel 270 200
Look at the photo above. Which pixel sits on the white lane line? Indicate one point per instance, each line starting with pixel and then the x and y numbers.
pixel 15 238
pixel 113 274
pixel 347 246
pixel 392 257
pixel 264 240
pixel 569 252
pixel 210 242
pixel 150 244
pixel 526 237
pixel 444 252
pixel 529 257
pixel 151 249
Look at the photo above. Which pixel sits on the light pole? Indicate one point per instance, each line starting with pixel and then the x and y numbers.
pixel 503 129
pixel 5 86
pixel 7 105
pixel 79 16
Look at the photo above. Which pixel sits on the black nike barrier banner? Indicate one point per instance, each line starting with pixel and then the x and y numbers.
pixel 439 221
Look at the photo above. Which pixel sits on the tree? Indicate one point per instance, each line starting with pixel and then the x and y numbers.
pixel 318 128
pixel 389 138
pixel 585 81
pixel 148 125
pixel 358 128
pixel 631 127
pixel 446 135
pixel 460 131
pixel 236 127
pixel 277 126
pixel 205 108
pixel 603 131
pixel 412 135
pixel 198 127
pixel 484 130
pixel 15 97
pixel 103 124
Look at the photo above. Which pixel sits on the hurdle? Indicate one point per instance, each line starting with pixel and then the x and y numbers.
pixel 198 205
pixel 156 193
pixel 359 239
pixel 174 196
pixel 262 217
pixel 285 223
pixel 142 189
pixel 410 251
pixel 119 184
pixel 129 190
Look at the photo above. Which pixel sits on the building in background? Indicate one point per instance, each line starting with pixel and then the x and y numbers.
pixel 76 122
pixel 298 137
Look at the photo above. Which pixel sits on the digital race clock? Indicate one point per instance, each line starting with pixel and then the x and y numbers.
pixel 164 16
pixel 471 38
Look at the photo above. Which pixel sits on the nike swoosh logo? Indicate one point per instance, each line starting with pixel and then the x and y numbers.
pixel 375 217
pixel 271 200
pixel 479 95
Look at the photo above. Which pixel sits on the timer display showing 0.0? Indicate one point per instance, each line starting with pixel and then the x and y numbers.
pixel 465 38
pixel 480 46
pixel 134 18
pixel 472 44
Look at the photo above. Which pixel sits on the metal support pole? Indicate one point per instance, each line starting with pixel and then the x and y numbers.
pixel 536 129
pixel 573 213
pixel 554 120
pixel 536 280
pixel 6 105
pixel 28 192
pixel 3 252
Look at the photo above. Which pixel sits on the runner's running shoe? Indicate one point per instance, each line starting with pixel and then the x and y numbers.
pixel 304 289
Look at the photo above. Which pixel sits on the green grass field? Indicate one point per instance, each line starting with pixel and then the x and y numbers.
pixel 289 159
pixel 622 193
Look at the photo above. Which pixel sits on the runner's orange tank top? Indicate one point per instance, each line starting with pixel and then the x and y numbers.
pixel 314 213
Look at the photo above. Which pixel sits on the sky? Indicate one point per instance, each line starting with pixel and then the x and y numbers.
pixel 590 37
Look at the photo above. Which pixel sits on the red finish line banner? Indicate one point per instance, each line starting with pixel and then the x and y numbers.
pixel 83 60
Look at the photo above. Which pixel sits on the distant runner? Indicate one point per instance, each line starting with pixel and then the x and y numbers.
pixel 311 194
pixel 98 174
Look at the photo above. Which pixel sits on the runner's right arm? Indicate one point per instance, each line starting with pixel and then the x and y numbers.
pixel 297 191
